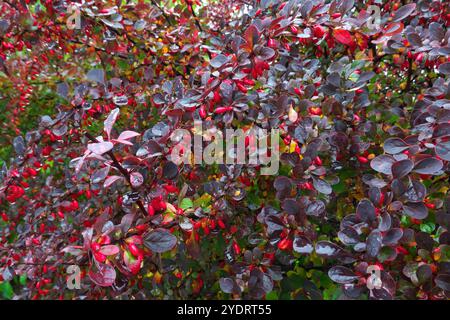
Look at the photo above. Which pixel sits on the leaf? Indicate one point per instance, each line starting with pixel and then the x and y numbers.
pixel 392 236
pixel 387 254
pixel 226 285
pixel 327 249
pixel 373 243
pixel 427 227
pixel 73 250
pixel 402 168
pixel 266 53
pixel 424 273
pixel 110 180
pixel 62 89
pixel 109 250
pixel 393 29
pixel 443 150
pixel 302 245
pixel 110 120
pixel 383 163
pixel 343 36
pixel 444 68
pixel 7 290
pixel 366 210
pixel 150 149
pixel 218 61
pixel 125 135
pixel 290 206
pixel 416 210
pixel 112 24
pixel 251 36
pixel 395 145
pixel 19 145
pixel 403 12
pixel 104 276
pixel 443 281
pixel 282 183
pixel 99 175
pixel 428 166
pixel 186 203
pixel 342 275
pixel 414 39
pixel 348 236
pixel 136 179
pixel 101 147
pixel 322 186
pixel 170 170
pixel 315 208
pixel 133 263
pixel 437 32
pixel 97 75
pixel 160 240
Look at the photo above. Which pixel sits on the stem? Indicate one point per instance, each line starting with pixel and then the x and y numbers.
pixel 122 170
pixel 196 22
pixel 163 12
pixel 409 75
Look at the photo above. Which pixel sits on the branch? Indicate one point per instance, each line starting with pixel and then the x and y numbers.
pixel 196 22
pixel 409 74
pixel 122 170
pixel 163 12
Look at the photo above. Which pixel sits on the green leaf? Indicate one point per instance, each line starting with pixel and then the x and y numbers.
pixel 427 227
pixel 186 203
pixel 332 293
pixel 23 279
pixel 203 201
pixel 6 290
pixel 272 295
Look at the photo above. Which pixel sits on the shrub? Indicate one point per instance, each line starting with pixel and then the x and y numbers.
pixel 359 207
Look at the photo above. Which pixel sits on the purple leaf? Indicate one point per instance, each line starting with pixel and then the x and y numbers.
pixel 395 145
pixel 403 12
pixel 302 245
pixel 136 179
pixel 402 168
pixel 366 210
pixel 109 250
pixel 110 120
pixel 342 275
pixel 160 240
pixel 104 276
pixel 428 166
pixel 127 135
pixel 383 163
pixel 100 147
pixel 416 210
pixel 327 249
pixel 110 180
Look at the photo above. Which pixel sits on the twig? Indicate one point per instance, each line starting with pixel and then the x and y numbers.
pixel 196 22
pixel 409 74
pixel 122 170
pixel 163 12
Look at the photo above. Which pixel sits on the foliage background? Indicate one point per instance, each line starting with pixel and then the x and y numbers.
pixel 365 123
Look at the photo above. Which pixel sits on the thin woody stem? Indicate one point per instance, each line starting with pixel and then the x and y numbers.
pixel 122 170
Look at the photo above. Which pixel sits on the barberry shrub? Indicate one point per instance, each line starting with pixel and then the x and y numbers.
pixel 92 92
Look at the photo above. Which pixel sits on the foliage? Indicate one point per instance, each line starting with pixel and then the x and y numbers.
pixel 364 116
